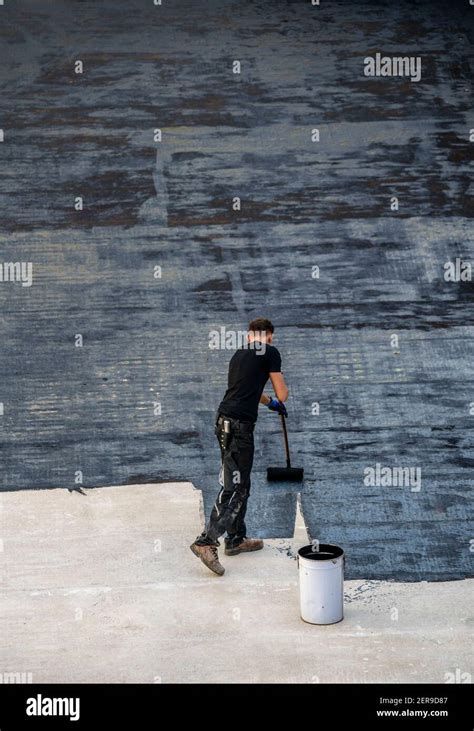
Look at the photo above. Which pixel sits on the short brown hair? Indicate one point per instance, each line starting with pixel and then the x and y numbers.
pixel 261 324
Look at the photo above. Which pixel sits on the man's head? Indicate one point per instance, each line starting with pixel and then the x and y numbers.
pixel 260 329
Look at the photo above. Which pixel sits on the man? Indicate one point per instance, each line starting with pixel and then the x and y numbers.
pixel 249 370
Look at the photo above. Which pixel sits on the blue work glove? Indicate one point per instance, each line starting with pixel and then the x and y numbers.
pixel 275 405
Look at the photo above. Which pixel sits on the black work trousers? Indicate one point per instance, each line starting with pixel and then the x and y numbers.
pixel 228 512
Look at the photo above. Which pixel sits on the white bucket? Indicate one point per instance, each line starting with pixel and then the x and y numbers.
pixel 321 575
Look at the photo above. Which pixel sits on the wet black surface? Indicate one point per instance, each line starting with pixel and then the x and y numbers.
pixel 303 204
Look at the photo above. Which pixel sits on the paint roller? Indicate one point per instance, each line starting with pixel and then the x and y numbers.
pixel 288 473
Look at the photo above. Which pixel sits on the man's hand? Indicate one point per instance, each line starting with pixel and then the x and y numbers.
pixel 275 405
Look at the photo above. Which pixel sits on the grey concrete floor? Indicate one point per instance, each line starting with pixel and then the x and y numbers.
pixel 102 587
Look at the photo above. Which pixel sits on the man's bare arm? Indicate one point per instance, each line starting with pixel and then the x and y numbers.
pixel 279 386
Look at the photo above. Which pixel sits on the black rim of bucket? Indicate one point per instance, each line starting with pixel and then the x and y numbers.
pixel 325 552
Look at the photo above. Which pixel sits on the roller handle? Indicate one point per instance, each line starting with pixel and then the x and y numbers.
pixel 285 436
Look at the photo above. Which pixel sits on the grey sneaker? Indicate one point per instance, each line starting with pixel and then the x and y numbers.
pixel 209 557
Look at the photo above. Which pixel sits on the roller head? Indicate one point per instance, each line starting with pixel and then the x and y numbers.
pixel 285 474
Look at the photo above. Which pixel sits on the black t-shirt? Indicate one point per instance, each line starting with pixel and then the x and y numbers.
pixel 249 369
